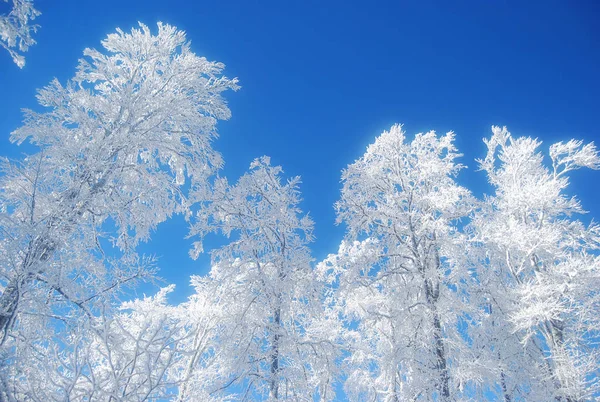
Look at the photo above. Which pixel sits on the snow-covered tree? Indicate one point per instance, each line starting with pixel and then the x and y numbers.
pixel 272 340
pixel 506 369
pixel 399 284
pixel 541 269
pixel 122 355
pixel 197 371
pixel 16 29
pixel 119 148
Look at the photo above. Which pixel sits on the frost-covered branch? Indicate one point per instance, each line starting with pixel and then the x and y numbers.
pixel 16 29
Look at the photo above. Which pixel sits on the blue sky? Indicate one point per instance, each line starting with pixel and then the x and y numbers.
pixel 320 80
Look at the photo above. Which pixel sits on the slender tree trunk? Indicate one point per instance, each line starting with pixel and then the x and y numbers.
pixel 393 397
pixel 432 293
pixel 39 250
pixel 444 387
pixel 505 392
pixel 274 386
pixel 556 344
pixel 9 301
pixel 503 384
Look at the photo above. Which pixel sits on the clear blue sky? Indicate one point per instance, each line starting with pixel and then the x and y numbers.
pixel 321 79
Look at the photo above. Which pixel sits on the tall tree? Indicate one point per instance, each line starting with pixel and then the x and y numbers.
pixel 400 286
pixel 545 263
pixel 16 29
pixel 115 150
pixel 272 341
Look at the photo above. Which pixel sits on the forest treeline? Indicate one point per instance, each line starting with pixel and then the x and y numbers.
pixel 434 294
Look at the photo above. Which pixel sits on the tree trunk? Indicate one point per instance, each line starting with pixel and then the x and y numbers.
pixel 39 250
pixel 274 386
pixel 504 387
pixel 556 343
pixel 443 385
pixel 8 308
pixel 432 293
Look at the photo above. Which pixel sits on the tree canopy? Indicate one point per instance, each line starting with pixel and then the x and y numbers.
pixel 433 294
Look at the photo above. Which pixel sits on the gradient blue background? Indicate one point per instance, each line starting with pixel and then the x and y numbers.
pixel 320 80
